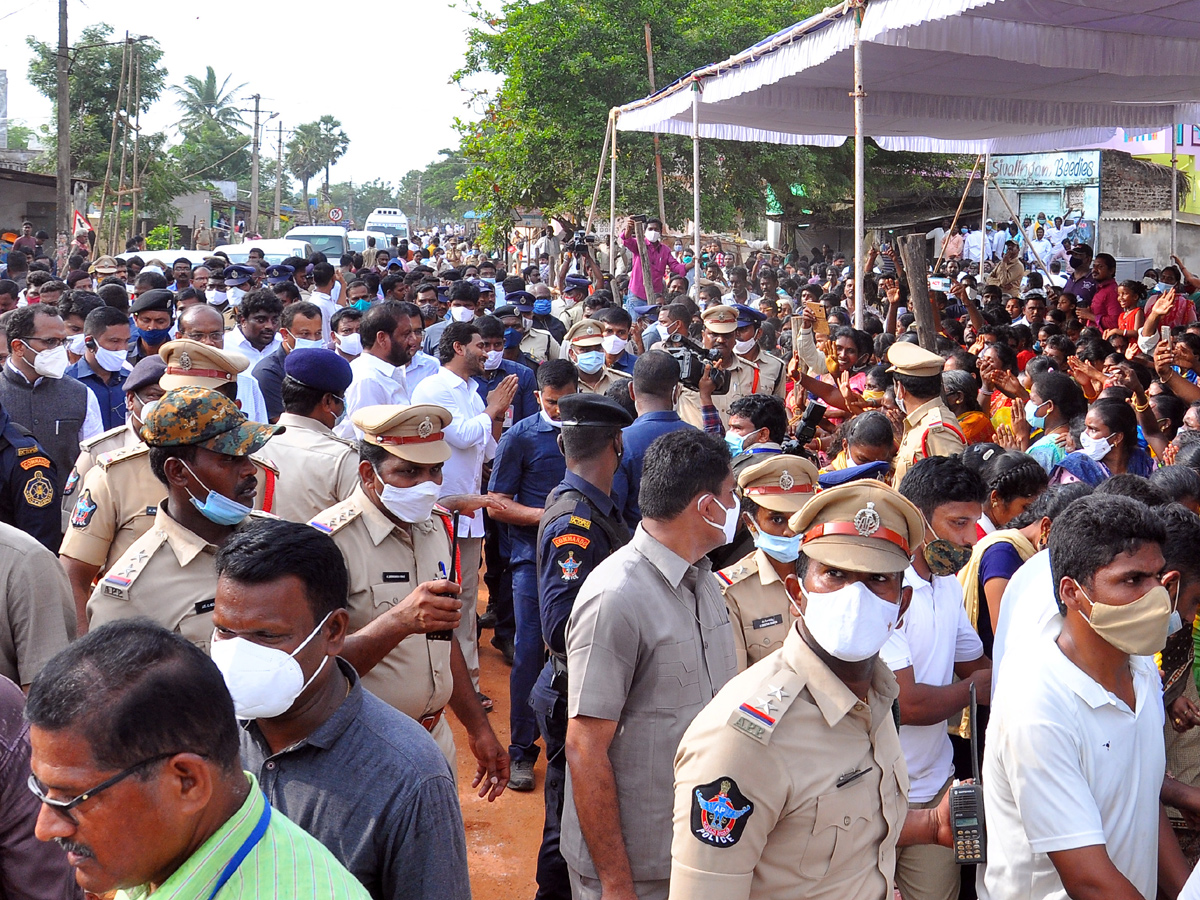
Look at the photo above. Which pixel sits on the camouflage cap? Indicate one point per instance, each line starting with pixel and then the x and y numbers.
pixel 198 417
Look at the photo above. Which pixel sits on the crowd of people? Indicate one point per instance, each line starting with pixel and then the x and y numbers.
pixel 749 566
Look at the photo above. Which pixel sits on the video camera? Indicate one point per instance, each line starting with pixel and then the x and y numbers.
pixel 693 360
pixel 806 430
pixel 580 243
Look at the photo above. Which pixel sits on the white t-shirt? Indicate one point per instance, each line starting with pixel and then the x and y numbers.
pixel 935 635
pixel 1069 765
pixel 1028 610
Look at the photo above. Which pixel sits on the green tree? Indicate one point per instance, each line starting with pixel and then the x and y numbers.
pixel 94 78
pixel 203 101
pixel 19 136
pixel 362 198
pixel 304 156
pixel 213 152
pixel 438 183
pixel 332 143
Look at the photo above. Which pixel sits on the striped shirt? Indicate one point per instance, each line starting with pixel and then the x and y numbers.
pixel 287 862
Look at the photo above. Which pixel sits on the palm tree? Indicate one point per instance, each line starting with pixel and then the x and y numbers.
pixel 203 101
pixel 333 143
pixel 305 156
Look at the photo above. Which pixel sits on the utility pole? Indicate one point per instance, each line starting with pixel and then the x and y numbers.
pixel 62 99
pixel 112 144
pixel 278 179
pixel 124 110
pixel 419 174
pixel 254 172
pixel 135 226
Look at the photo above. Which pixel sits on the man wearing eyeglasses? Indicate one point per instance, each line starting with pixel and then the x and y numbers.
pixel 59 411
pixel 139 715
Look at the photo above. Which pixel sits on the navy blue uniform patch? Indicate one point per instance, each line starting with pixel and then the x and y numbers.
pixel 720 812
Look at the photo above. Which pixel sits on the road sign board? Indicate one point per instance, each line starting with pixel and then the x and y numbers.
pixel 335 215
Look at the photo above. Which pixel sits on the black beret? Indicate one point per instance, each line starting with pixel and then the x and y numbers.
pixel 322 370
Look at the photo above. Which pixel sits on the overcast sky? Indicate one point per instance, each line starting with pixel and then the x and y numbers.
pixel 392 96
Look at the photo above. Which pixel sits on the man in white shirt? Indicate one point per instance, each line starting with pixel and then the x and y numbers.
pixel 1041 246
pixel 388 344
pixel 973 242
pixel 1075 758
pixel 322 294
pixel 422 365
pixel 472 436
pixel 938 236
pixel 933 645
pixel 257 330
pixel 1059 231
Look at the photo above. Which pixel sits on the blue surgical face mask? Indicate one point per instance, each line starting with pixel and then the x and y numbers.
pixel 590 362
pixel 218 508
pixel 1035 421
pixel 541 307
pixel 783 549
pixel 512 338
pixel 735 443
pixel 153 337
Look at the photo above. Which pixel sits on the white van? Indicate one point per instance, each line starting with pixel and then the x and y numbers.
pixel 275 250
pixel 358 243
pixel 389 220
pixel 328 239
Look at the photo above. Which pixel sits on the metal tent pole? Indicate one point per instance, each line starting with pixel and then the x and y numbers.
pixel 696 184
pixel 1174 184
pixel 612 197
pixel 859 95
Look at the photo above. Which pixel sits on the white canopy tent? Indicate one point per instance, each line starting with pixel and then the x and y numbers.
pixel 950 76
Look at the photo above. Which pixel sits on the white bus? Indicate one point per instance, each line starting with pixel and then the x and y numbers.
pixel 390 221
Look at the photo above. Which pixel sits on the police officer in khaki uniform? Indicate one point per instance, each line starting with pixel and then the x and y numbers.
pixel 118 498
pixel 574 292
pixel 772 369
pixel 930 428
pixel 539 344
pixel 772 491
pixel 403 588
pixel 141 387
pixel 791 782
pixel 319 468
pixel 720 334
pixel 583 344
pixel 199 448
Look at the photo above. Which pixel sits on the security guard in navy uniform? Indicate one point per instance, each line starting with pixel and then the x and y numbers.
pixel 28 485
pixel 580 528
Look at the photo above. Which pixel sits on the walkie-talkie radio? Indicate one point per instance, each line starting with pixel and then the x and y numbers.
pixel 966 807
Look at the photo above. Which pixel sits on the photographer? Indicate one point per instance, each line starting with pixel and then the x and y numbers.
pixel 707 405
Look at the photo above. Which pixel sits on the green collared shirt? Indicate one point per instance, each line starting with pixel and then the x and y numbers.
pixel 287 862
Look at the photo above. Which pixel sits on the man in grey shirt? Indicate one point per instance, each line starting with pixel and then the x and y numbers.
pixel 361 777
pixel 648 645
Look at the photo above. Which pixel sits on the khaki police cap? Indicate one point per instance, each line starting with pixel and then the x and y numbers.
pixel 720 319
pixel 910 359
pixel 863 526
pixel 193 363
pixel 413 433
pixel 585 333
pixel 105 265
pixel 781 483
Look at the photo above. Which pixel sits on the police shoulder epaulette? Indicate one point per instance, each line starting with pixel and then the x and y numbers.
pixel 739 571
pixel 581 516
pixel 341 440
pixel 334 519
pixel 132 452
pixel 263 514
pixel 746 362
pixel 125 571
pixel 758 715
pixel 264 462
pixel 103 436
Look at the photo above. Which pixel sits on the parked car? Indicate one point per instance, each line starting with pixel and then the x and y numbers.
pixel 329 239
pixel 274 251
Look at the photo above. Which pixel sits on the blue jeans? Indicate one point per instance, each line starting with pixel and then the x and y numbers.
pixel 528 659
pixel 551 709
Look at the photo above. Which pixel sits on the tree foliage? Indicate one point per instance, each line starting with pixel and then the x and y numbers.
pixel 94 78
pixel 566 63
pixel 438 188
pixel 203 102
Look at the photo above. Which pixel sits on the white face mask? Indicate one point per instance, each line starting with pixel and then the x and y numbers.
pixel 263 681
pixel 1096 448
pixel 653 235
pixel 350 344
pixel 852 623
pixel 729 527
pixel 743 347
pixel 235 295
pixel 216 298
pixel 526 322
pixel 410 504
pixel 52 363
pixel 462 313
pixel 493 360
pixel 613 345
pixel 549 421
pixel 111 360
pixel 76 342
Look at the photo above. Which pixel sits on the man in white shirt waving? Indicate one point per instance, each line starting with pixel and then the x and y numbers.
pixel 933 645
pixel 472 436
pixel 1075 758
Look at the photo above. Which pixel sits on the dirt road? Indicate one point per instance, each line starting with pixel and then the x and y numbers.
pixel 502 837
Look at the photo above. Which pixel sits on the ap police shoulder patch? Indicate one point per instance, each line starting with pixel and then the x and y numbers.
pixel 719 812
